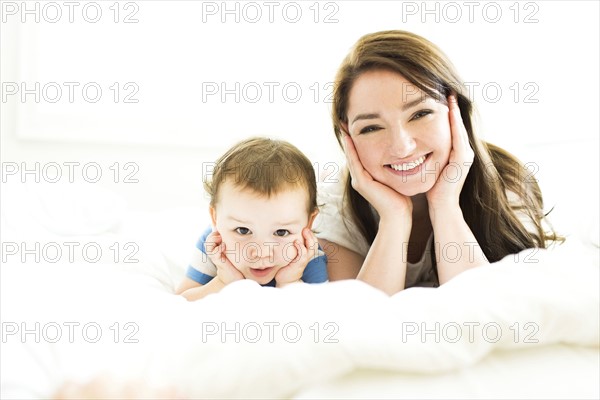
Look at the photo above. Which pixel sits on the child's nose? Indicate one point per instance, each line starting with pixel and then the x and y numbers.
pixel 264 250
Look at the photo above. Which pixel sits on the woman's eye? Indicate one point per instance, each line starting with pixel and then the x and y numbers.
pixel 369 129
pixel 282 232
pixel 242 231
pixel 421 114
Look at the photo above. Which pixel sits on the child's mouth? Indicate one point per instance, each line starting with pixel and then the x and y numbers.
pixel 260 273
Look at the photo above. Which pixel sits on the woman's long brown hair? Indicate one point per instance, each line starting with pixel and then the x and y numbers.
pixel 486 208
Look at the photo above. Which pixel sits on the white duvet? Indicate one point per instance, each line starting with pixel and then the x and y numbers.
pixel 249 341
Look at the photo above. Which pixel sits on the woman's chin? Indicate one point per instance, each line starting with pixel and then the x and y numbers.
pixel 413 191
pixel 410 188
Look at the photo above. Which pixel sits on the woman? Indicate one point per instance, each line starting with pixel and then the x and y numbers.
pixel 425 198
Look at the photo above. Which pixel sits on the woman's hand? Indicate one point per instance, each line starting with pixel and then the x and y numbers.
pixel 443 199
pixel 304 253
pixel 386 200
pixel 215 249
pixel 445 192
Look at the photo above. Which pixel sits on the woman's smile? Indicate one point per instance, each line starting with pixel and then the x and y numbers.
pixel 409 166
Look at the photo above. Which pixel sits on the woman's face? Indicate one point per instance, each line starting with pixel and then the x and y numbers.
pixel 402 136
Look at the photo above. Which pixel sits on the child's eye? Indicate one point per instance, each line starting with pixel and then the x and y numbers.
pixel 369 129
pixel 282 232
pixel 421 114
pixel 243 231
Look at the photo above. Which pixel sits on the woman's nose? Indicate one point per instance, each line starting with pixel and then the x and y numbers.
pixel 402 142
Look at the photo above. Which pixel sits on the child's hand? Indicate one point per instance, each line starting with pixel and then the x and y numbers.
pixel 305 252
pixel 215 249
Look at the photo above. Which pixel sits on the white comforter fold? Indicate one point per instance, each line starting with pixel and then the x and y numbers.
pixel 249 341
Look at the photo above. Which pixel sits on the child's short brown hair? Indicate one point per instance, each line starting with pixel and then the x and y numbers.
pixel 265 166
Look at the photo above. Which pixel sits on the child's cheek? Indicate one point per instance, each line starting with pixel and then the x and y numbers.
pixel 238 267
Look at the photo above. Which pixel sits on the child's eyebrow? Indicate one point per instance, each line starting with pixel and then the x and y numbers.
pixel 237 219
pixel 294 222
pixel 284 223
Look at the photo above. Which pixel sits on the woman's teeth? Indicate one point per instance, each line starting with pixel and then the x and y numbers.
pixel 408 166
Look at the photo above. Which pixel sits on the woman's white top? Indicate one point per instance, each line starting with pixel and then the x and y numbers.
pixel 336 226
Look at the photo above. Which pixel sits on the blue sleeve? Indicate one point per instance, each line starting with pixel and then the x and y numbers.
pixel 198 276
pixel 202 240
pixel 316 269
pixel 199 261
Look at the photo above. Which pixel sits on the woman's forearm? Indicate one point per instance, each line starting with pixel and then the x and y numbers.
pixel 456 247
pixel 385 264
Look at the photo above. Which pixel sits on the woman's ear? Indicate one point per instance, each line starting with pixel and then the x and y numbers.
pixel 311 219
pixel 213 215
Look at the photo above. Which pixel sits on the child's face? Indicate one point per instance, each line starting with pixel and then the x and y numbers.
pixel 259 232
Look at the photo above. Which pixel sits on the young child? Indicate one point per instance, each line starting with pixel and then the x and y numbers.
pixel 263 201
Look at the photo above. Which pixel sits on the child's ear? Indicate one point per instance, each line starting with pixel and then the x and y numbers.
pixel 311 219
pixel 213 215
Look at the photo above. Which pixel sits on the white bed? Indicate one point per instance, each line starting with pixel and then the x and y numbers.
pixel 535 317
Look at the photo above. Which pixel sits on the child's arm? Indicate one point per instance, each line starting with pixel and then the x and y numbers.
pixel 186 284
pixel 200 291
pixel 226 272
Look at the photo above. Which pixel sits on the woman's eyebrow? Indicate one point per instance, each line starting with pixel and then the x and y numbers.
pixel 414 102
pixel 365 116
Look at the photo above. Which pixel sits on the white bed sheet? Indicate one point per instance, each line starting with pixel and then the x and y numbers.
pixel 553 372
pixel 560 298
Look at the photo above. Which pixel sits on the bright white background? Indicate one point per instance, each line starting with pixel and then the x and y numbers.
pixel 542 56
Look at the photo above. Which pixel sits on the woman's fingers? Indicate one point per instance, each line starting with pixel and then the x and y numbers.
pixel 447 192
pixel 456 124
pixel 460 137
pixel 351 156
pixel 357 172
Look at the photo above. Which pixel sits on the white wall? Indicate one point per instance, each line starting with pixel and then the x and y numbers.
pixel 547 50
